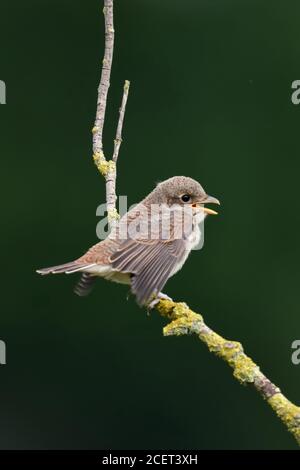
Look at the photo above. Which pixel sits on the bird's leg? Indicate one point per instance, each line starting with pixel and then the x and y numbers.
pixel 160 296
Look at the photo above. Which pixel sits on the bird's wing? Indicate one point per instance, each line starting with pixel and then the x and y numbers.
pixel 151 264
pixel 153 255
pixel 152 258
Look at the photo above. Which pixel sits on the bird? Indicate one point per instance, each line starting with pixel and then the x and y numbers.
pixel 149 244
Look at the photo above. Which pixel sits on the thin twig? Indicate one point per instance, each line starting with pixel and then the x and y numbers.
pixel 118 139
pixel 108 167
pixel 105 76
pixel 111 176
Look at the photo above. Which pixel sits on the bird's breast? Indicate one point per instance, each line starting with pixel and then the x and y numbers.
pixel 191 241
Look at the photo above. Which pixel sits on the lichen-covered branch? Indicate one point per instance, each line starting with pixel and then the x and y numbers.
pixel 108 167
pixel 184 322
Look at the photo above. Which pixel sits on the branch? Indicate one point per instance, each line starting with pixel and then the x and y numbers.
pixel 185 322
pixel 108 167
pixel 118 139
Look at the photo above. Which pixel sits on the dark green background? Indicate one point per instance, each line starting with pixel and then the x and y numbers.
pixel 210 98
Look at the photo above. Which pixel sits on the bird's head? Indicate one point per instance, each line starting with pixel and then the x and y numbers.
pixel 183 191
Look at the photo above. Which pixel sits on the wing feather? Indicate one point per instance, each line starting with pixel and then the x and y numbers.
pixel 152 259
pixel 150 264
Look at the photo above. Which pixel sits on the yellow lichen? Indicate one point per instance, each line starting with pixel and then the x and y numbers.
pixel 287 412
pixel 173 310
pixel 245 370
pixel 105 167
pixel 111 166
pixel 217 345
pixel 184 320
pixel 112 215
pixel 179 327
pixel 166 307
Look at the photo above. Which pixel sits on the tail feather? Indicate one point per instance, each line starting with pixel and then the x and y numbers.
pixel 79 268
pixel 85 285
pixel 63 268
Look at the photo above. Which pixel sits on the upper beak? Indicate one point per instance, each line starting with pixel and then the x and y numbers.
pixel 209 200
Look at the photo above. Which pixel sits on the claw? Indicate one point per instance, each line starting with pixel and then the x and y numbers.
pixel 160 296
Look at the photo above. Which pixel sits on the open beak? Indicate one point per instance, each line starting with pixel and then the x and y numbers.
pixel 208 200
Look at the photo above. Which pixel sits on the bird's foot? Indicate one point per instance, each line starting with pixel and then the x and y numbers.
pixel 160 296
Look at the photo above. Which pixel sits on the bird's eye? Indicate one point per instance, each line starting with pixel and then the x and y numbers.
pixel 185 197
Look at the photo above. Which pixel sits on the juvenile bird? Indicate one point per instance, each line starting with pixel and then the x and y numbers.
pixel 150 243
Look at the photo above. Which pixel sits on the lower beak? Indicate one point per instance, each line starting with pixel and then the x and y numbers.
pixel 208 200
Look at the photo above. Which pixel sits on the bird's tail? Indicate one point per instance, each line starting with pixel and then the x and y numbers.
pixel 86 282
pixel 67 268
pixel 85 285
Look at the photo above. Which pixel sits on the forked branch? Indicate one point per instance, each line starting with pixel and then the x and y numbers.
pixel 107 167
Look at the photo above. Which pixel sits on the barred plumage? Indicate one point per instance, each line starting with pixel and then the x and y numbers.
pixel 84 285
